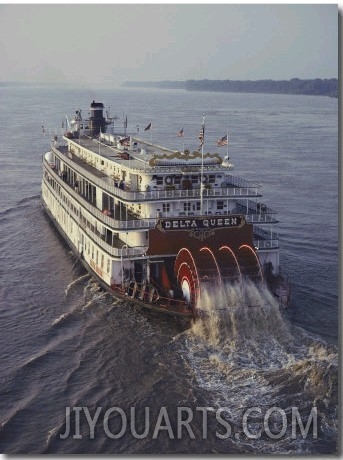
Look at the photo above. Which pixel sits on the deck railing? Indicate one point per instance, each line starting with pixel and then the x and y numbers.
pixel 116 252
pixel 257 213
pixel 106 184
pixel 105 219
pixel 266 244
pixel 113 251
pixel 268 216
pixel 264 238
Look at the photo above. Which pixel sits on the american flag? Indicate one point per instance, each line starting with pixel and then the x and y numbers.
pixel 148 127
pixel 202 135
pixel 223 141
pixel 180 133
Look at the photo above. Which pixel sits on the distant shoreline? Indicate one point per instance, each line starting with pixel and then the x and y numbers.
pixel 314 87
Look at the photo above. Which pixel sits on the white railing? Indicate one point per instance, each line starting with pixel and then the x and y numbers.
pixel 266 244
pixel 259 212
pixel 261 218
pixel 116 252
pixel 141 250
pixel 107 220
pixel 113 251
pixel 157 195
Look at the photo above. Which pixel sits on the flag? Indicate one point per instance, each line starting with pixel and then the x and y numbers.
pixel 148 127
pixel 223 141
pixel 125 123
pixel 202 135
pixel 180 133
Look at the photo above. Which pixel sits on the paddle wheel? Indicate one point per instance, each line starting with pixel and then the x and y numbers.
pixel 249 263
pixel 193 271
pixel 187 276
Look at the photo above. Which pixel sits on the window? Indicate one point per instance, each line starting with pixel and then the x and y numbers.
pixel 166 207
pixel 220 205
pixel 159 180
pixel 186 207
pixel 211 178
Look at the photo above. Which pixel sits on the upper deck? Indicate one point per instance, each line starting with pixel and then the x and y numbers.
pixel 135 170
pixel 105 170
pixel 144 157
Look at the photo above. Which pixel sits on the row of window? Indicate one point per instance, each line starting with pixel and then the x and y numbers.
pixel 63 197
pixel 188 206
pixel 176 179
pixel 89 247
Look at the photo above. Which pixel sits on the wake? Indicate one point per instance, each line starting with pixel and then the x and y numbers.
pixel 245 357
pixel 243 318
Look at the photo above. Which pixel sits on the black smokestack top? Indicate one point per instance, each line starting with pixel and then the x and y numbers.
pixel 97 121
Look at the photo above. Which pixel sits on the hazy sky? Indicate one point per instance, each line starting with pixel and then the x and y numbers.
pixel 111 43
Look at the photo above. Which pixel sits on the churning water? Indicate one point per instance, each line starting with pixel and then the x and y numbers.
pixel 251 356
pixel 66 343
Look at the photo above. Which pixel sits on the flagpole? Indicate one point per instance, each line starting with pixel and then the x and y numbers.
pixel 182 144
pixel 227 146
pixel 202 164
pixel 181 134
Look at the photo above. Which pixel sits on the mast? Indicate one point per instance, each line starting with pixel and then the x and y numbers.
pixel 227 145
pixel 202 137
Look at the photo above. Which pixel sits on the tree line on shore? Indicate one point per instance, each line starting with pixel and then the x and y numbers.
pixel 317 86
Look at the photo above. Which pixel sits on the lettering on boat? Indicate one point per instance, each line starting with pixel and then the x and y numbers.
pixel 236 221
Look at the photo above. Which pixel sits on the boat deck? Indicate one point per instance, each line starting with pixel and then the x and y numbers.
pixel 80 162
pixel 112 153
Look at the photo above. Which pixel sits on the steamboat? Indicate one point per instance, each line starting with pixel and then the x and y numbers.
pixel 154 225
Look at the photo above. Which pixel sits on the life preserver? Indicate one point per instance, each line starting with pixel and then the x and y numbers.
pixel 168 180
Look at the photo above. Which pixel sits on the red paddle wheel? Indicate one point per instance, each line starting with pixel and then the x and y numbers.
pixel 194 270
pixel 249 263
pixel 187 277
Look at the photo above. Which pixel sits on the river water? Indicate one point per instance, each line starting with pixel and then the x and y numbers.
pixel 236 382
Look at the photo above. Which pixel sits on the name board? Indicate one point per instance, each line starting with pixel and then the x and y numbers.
pixel 201 223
